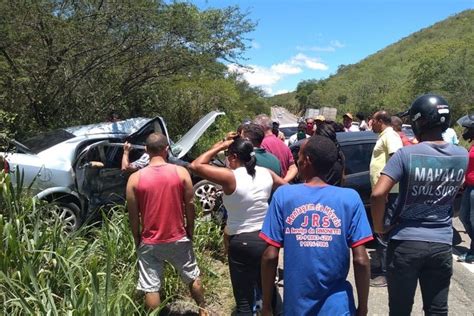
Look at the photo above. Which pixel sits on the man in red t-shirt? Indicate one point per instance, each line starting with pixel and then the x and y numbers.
pixel 276 147
pixel 159 198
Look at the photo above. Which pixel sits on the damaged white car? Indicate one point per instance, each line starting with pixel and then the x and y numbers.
pixel 79 168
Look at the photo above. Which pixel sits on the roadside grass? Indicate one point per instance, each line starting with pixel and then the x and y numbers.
pixel 43 270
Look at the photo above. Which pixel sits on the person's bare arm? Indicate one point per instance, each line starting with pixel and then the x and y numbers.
pixel 277 180
pixel 188 200
pixel 378 200
pixel 132 205
pixel 361 263
pixel 291 173
pixel 268 271
pixel 219 175
pixel 125 157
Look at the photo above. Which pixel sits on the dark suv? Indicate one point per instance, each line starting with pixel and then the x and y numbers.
pixel 357 148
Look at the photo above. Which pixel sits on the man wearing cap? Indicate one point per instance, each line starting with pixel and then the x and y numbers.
pixel 347 122
pixel 318 120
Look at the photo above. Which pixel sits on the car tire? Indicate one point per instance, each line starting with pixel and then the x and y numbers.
pixel 208 196
pixel 69 213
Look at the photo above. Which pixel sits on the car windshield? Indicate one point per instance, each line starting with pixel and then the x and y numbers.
pixel 40 142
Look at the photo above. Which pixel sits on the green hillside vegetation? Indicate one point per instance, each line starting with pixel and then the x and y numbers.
pixel 65 63
pixel 438 59
pixel 286 100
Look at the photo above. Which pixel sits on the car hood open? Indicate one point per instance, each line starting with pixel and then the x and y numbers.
pixel 134 126
pixel 184 145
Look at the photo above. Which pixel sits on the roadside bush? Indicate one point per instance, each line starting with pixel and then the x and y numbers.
pixel 43 270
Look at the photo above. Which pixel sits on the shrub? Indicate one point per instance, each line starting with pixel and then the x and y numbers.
pixel 43 270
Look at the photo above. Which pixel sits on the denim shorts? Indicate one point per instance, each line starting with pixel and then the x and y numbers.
pixel 151 259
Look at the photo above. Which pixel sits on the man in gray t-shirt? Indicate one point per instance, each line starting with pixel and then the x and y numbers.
pixel 430 175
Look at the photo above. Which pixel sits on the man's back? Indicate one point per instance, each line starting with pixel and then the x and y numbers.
pixel 160 200
pixel 317 225
pixel 387 144
pixel 430 175
pixel 267 160
pixel 278 148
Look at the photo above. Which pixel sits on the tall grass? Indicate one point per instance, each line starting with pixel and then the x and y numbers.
pixel 92 271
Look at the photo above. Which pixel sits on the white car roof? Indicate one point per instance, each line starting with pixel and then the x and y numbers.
pixel 125 127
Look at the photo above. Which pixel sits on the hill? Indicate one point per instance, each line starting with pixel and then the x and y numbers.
pixel 287 100
pixel 437 59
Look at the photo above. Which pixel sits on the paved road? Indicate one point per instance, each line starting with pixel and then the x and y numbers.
pixel 461 292
pixel 283 116
pixel 461 295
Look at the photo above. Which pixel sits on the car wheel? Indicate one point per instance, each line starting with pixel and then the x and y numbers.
pixel 208 194
pixel 68 213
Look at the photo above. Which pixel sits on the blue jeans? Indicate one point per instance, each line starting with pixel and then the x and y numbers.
pixel 408 262
pixel 466 215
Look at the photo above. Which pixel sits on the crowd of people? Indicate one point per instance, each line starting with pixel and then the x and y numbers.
pixel 276 200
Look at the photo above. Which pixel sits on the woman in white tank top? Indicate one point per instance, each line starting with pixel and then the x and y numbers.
pixel 247 189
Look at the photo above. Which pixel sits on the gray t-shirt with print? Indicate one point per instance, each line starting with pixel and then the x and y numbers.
pixel 430 176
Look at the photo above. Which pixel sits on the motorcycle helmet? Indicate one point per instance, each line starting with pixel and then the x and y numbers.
pixel 428 111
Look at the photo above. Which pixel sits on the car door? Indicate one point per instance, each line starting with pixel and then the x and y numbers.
pixel 358 153
pixel 98 176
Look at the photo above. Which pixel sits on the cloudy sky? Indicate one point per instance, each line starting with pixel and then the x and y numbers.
pixel 308 39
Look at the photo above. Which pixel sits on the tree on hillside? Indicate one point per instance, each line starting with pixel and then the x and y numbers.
pixel 74 61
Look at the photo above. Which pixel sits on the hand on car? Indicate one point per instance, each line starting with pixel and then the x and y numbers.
pixel 126 147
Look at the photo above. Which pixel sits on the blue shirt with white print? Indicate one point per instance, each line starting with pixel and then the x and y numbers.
pixel 317 226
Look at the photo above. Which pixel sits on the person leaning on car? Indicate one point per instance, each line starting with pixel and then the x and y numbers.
pixel 140 163
pixel 143 161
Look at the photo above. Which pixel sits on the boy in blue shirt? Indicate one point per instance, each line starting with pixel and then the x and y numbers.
pixel 317 224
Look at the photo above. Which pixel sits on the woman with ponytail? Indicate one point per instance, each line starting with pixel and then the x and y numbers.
pixel 247 188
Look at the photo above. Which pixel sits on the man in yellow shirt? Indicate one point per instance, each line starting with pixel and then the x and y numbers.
pixel 387 144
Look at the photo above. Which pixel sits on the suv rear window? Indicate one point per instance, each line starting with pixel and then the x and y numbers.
pixel 46 140
pixel 357 157
pixel 288 131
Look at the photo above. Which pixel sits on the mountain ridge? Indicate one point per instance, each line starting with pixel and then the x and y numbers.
pixel 438 58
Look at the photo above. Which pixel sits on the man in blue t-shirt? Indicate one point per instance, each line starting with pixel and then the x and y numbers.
pixel 430 175
pixel 317 224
